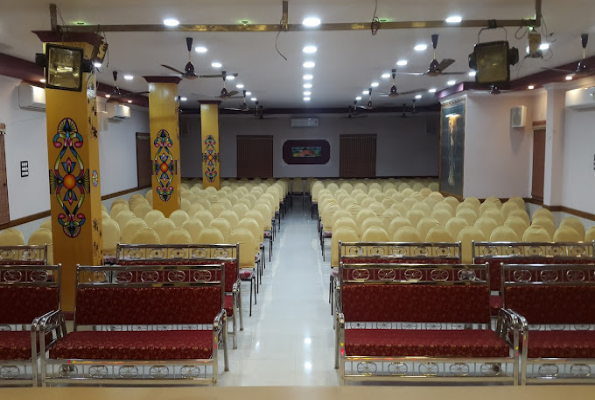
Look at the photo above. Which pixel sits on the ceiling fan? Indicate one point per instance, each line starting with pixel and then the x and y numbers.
pixel 243 107
pixel 189 72
pixel 393 92
pixel 117 94
pixel 581 68
pixel 369 105
pixel 224 94
pixel 436 68
pixel 352 111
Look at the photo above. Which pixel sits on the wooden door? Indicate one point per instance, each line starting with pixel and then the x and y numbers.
pixel 144 166
pixel 538 164
pixel 358 156
pixel 255 156
pixel 4 212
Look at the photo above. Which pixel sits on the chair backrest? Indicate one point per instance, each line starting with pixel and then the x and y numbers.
pixel 187 254
pixel 23 255
pixel 28 292
pixel 551 294
pixel 150 295
pixel 496 253
pixel 400 253
pixel 415 293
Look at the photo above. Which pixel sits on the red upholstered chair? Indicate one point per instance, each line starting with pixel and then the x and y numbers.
pixel 430 321
pixel 194 254
pixel 161 324
pixel 557 305
pixel 24 255
pixel 29 294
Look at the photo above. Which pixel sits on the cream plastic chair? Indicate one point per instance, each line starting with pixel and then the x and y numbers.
pixel 536 233
pixel 434 186
pixel 474 201
pixel 401 208
pixel 212 235
pixel 486 225
pixel 231 217
pixel 414 216
pixel 402 187
pixel 178 236
pixel 194 227
pixel 446 207
pixel 398 197
pixel 425 224
pixel 519 202
pixel 119 200
pixel 153 216
pixel 240 209
pixel 260 219
pixel 223 226
pixel 504 234
pixel 364 214
pixel 576 224
pixel 486 205
pixel 566 233
pixel 47 223
pixel 388 216
pixel 141 210
pixel 375 234
pixel 185 205
pixel 104 216
pixel 339 214
pixel 345 222
pixel 546 224
pixel 216 209
pixel 265 211
pixel 407 234
pixel 453 202
pixel 370 222
pixel 194 208
pixel 466 236
pixel 431 202
pixel 117 208
pixel 439 234
pixel 468 215
pixel 163 227
pixel 508 207
pixel 123 217
pixel 178 217
pixel 466 205
pixel 378 208
pixel 111 236
pixel 225 202
pixel 40 237
pixel 365 203
pixel 423 207
pixel 496 215
pixel 590 235
pixel 543 212
pixel 518 225
pixel 521 214
pixel 379 197
pixel 204 216
pixel 252 225
pixel 13 237
pixel 455 225
pixel 442 216
pixel 146 236
pixel 131 229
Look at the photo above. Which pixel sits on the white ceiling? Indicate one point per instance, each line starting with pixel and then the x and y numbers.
pixel 346 62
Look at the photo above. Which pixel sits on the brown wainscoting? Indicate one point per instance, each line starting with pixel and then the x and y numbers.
pixel 45 214
pixel 456 196
pixel 538 125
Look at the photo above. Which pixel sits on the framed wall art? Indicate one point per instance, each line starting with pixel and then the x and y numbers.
pixel 452 147
pixel 306 151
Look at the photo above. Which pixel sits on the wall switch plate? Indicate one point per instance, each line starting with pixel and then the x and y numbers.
pixel 24 169
pixel 2 128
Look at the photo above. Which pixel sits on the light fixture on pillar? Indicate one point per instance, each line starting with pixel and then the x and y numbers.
pixel 64 67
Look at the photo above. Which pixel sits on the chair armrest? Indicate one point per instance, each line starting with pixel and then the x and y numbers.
pixel 219 320
pixel 236 286
pixel 510 322
pixel 53 322
pixel 341 320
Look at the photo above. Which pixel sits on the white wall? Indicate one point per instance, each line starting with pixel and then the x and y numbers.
pixel 26 140
pixel 403 147
pixel 497 157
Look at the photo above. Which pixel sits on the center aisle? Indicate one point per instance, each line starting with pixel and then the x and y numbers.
pixel 289 340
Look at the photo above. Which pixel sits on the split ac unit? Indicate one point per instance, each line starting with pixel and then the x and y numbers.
pixel 581 99
pixel 121 111
pixel 518 117
pixel 304 122
pixel 31 97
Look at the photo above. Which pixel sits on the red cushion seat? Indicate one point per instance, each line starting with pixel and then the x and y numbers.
pixel 15 345
pixel 327 234
pixel 496 303
pixel 562 344
pixel 246 274
pixel 228 304
pixel 268 234
pixel 135 345
pixel 424 343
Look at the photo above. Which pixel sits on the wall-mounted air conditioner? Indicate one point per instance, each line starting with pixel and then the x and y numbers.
pixel 518 117
pixel 102 123
pixel 304 122
pixel 119 112
pixel 581 99
pixel 31 97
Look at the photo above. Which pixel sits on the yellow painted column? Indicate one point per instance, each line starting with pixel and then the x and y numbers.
pixel 211 162
pixel 165 142
pixel 75 189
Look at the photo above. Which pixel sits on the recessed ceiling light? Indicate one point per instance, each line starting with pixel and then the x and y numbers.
pixel 307 85
pixel 216 64
pixel 97 64
pixel 309 64
pixel 244 21
pixel 454 19
pixel 432 90
pixel 80 22
pixel 171 22
pixel 306 99
pixel 107 96
pixel 366 92
pixel 374 84
pixel 42 80
pixel 201 49
pixel 183 98
pixel 472 74
pixel 129 101
pixel 128 77
pixel 544 46
pixel 308 77
pixel 310 49
pixel 358 98
pixel 306 93
pixel 240 86
pixel 386 75
pixel 248 93
pixel 418 96
pixel 450 83
pixel 253 98
pixel 311 22
pixel 421 47
pixel 229 77
pixel 402 63
pixel 530 87
pixel 568 77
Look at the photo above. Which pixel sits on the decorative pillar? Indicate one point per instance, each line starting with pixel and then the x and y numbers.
pixel 73 158
pixel 165 142
pixel 211 163
pixel 554 144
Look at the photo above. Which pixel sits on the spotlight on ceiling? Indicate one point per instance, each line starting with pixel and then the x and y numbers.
pixel 454 19
pixel 309 64
pixel 402 63
pixel 216 64
pixel 386 75
pixel 201 49
pixel 310 49
pixel 308 77
pixel 311 22
pixel 171 22
pixel 421 47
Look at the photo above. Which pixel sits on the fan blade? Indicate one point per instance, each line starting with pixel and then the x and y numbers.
pixel 216 76
pixel 434 41
pixel 172 68
pixel 138 93
pixel 414 91
pixel 233 109
pixel 232 93
pixel 565 71
pixel 411 73
pixel 584 40
pixel 189 44
pixel 447 62
pixel 453 73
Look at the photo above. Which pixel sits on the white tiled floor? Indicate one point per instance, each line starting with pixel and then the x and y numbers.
pixel 289 340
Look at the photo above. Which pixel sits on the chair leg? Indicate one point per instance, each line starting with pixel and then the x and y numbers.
pixel 239 304
pixel 331 295
pixel 225 341
pixel 251 281
pixel 255 290
pixel 270 249
pixel 235 328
